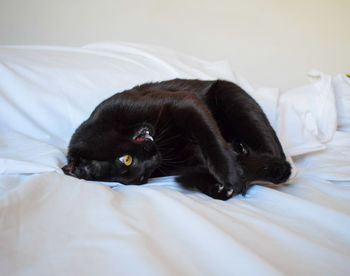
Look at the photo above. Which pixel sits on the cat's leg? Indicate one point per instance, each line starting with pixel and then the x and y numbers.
pixel 243 123
pixel 193 116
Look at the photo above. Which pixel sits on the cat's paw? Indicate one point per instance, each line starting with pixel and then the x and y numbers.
pixel 220 191
pixel 205 182
pixel 225 191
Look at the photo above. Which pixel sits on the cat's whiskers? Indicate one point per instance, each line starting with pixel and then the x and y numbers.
pixel 160 135
pixel 163 140
pixel 162 171
pixel 172 161
pixel 162 129
pixel 162 144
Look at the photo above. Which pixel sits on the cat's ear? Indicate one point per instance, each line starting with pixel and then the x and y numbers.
pixel 69 169
pixel 71 166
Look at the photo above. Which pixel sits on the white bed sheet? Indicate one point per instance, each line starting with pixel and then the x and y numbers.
pixel 53 224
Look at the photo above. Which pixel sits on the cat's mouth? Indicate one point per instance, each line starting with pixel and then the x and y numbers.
pixel 142 135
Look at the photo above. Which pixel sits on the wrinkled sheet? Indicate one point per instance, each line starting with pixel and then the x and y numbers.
pixel 53 224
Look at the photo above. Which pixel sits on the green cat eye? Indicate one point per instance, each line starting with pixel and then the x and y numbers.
pixel 126 160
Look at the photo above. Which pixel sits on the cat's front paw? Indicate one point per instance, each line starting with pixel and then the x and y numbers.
pixel 220 191
pixel 209 185
pixel 225 191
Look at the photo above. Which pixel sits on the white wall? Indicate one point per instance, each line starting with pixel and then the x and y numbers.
pixel 271 42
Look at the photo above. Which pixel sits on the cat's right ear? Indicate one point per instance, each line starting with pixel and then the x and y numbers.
pixel 69 169
pixel 71 166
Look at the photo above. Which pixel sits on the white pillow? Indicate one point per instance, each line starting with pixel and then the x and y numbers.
pixel 307 117
pixel 341 84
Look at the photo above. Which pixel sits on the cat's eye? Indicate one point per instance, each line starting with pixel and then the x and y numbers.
pixel 126 160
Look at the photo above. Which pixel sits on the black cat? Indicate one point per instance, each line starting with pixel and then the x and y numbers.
pixel 211 134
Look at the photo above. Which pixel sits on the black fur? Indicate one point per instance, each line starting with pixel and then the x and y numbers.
pixel 211 134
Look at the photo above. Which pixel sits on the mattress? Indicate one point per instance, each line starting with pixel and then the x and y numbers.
pixel 54 224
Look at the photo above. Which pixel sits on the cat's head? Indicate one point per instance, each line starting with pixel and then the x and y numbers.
pixel 105 152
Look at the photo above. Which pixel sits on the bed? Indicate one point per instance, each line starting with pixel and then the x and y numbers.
pixel 54 224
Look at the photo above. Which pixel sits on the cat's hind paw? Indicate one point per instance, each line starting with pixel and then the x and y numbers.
pixel 207 184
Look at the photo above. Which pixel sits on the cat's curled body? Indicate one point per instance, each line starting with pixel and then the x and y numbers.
pixel 211 134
